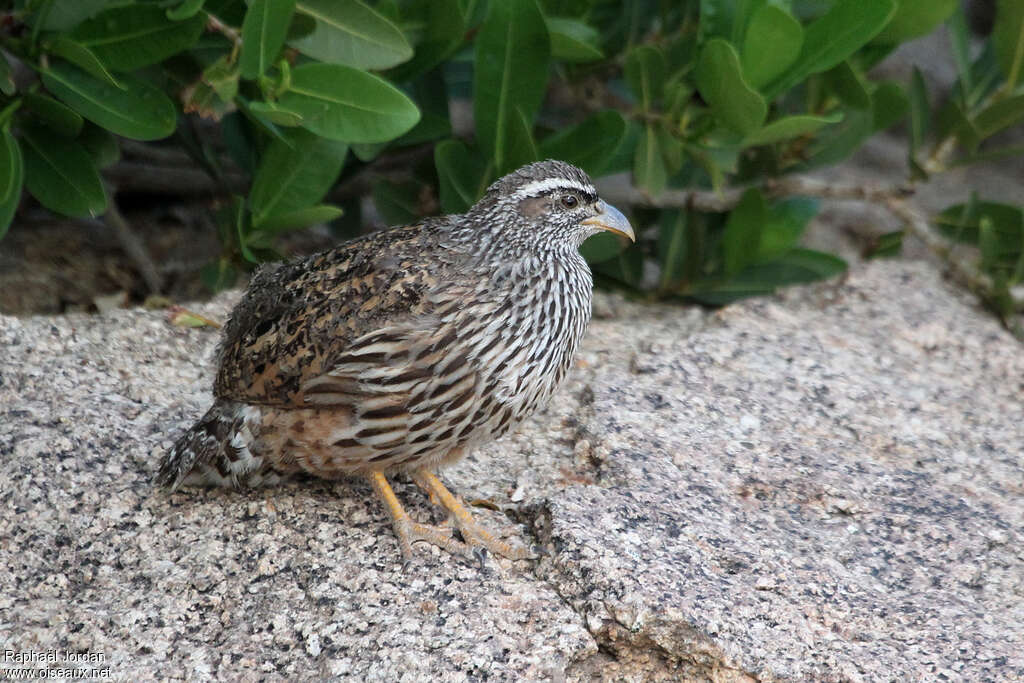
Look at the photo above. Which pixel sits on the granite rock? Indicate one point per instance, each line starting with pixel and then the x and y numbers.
pixel 824 485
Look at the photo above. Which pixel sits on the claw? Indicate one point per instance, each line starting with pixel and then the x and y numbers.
pixel 477 541
pixel 480 553
pixel 473 533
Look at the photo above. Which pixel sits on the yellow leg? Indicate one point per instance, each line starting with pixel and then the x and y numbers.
pixel 409 531
pixel 474 534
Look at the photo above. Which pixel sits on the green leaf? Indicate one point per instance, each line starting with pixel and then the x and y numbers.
pixel 231 12
pixel 802 265
pixel 348 105
pixel 100 144
pixel 294 174
pixel 219 275
pixel 7 85
pixel 920 112
pixel 849 85
pixel 522 149
pixel 623 156
pixel 186 9
pixel 511 73
pixel 273 114
pixel 83 58
pixel 462 174
pixel 430 91
pixel 676 97
pixel 272 226
pixel 53 114
pixel 138 110
pixel 63 16
pixel 795 267
pixel 726 18
pixel 444 34
pixel 397 203
pixel 626 268
pixel 790 127
pixel 240 140
pixel 847 137
pixel 960 44
pixel 988 244
pixel 833 37
pixel 61 175
pixel 366 151
pixel 222 77
pixel 12 176
pixel 886 245
pixel 673 149
pixel 133 36
pixel 1008 38
pixel 645 74
pixel 720 81
pixel 890 104
pixel 953 121
pixel 742 237
pixel 998 229
pixel 235 215
pixel 589 144
pixel 673 248
pixel 263 33
pixel 784 223
pixel 771 45
pixel 914 18
pixel 602 247
pixel 649 170
pixel 352 33
pixel 1000 115
pixel 574 40
pixel 213 95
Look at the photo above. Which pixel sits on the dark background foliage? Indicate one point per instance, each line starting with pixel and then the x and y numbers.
pixel 711 108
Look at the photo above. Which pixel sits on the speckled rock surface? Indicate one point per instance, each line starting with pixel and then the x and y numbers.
pixel 823 486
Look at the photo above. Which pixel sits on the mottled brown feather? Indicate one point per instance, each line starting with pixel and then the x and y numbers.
pixel 297 318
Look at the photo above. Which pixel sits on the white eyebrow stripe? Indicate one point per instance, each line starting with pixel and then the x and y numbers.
pixel 538 187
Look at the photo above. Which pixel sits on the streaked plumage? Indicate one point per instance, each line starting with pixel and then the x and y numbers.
pixel 401 350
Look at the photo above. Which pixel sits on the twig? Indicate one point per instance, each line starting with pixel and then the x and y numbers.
pixel 134 247
pixel 701 200
pixel 133 176
pixel 961 271
pixel 166 156
pixel 215 24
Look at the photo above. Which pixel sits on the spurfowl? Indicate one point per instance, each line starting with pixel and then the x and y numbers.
pixel 402 350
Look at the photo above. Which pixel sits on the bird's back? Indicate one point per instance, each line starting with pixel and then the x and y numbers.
pixel 297 317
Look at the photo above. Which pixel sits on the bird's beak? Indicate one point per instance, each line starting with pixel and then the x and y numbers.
pixel 611 219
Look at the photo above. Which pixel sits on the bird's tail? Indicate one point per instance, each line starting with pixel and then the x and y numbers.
pixel 218 450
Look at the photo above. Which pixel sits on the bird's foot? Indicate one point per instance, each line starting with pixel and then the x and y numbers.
pixel 476 537
pixel 477 541
pixel 410 532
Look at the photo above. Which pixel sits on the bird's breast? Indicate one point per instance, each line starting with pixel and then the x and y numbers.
pixel 522 333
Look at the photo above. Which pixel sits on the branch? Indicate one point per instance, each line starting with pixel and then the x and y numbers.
pixel 895 199
pixel 134 176
pixel 133 246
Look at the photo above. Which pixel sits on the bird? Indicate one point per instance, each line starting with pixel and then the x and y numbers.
pixel 404 349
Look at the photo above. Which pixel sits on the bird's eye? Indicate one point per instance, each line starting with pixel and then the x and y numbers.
pixel 570 201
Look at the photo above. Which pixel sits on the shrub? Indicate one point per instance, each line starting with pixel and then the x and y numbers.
pixel 718 96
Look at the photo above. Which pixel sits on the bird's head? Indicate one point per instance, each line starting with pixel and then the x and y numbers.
pixel 546 205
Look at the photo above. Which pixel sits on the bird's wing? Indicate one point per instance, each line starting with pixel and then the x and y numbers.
pixel 408 389
pixel 298 322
